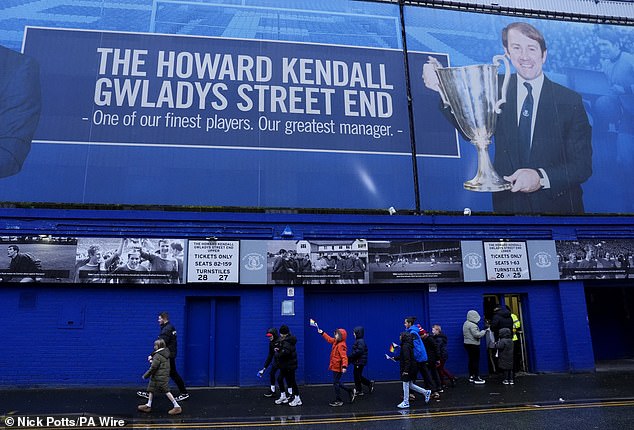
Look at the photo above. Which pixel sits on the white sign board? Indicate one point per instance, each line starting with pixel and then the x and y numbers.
pixel 213 261
pixel 506 261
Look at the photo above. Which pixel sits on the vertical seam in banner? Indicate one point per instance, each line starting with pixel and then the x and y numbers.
pixel 409 108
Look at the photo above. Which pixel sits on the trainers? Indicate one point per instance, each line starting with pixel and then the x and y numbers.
pixel 175 411
pixel 427 395
pixel 471 379
pixel 505 382
pixel 269 393
pixel 336 403
pixel 479 381
pixel 360 393
pixel 371 387
pixel 282 399
pixel 511 382
pixel 403 405
pixel 144 408
pixel 143 394
pixel 435 395
pixel 182 396
pixel 353 395
pixel 296 401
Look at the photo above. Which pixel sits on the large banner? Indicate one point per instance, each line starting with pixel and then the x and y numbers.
pixel 595 259
pixel 317 262
pixel 578 134
pixel 311 263
pixel 260 113
pixel 304 104
pixel 37 259
pixel 414 262
pixel 130 261
pixel 169 91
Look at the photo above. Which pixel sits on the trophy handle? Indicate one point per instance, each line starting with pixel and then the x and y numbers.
pixel 435 65
pixel 505 83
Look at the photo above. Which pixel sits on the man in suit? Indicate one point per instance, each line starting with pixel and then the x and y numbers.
pixel 20 104
pixel 547 162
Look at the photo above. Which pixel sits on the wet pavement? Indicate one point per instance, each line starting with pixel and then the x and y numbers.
pixel 220 407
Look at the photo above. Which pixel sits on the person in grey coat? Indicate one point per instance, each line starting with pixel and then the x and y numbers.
pixel 472 335
pixel 505 355
pixel 159 374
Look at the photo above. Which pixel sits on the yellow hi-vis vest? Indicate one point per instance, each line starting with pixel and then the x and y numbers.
pixel 516 326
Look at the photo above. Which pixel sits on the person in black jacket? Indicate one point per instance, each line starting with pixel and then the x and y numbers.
pixel 441 340
pixel 286 355
pixel 432 380
pixel 409 369
pixel 505 351
pixel 274 342
pixel 20 108
pixel 501 319
pixel 359 358
pixel 21 263
pixel 168 334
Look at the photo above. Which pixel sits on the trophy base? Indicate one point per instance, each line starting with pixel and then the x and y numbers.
pixel 487 186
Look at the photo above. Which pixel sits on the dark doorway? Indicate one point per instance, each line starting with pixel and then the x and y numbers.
pixel 514 303
pixel 611 324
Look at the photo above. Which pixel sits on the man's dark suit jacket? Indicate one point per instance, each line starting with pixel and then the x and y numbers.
pixel 20 104
pixel 561 146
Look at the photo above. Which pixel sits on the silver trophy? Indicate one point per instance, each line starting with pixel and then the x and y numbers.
pixel 471 92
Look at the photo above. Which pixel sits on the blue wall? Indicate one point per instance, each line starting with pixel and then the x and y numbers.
pixel 112 330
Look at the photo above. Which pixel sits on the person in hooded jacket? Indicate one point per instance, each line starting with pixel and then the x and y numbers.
pixel 338 364
pixel 286 355
pixel 168 334
pixel 505 355
pixel 409 369
pixel 274 341
pixel 359 359
pixel 472 335
pixel 501 319
pixel 159 374
pixel 441 340
pixel 433 358
pixel 420 353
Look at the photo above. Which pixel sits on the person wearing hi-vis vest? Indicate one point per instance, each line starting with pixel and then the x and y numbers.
pixel 517 351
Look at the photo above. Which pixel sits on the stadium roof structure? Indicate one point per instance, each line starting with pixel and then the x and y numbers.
pixel 599 11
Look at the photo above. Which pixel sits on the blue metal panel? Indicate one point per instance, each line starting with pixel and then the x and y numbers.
pixel 197 346
pixel 227 341
pixel 576 335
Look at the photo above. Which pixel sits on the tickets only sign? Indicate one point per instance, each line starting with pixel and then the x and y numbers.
pixel 506 261
pixel 213 261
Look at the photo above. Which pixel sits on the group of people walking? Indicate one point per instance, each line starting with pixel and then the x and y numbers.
pixel 418 352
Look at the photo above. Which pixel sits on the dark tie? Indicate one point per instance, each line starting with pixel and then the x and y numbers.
pixel 526 116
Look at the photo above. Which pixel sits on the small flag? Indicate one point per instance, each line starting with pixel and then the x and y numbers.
pixel 313 323
pixel 393 347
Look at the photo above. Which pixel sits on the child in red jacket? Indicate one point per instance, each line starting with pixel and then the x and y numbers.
pixel 338 363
